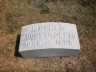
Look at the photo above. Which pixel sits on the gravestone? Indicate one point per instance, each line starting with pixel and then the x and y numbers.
pixel 49 39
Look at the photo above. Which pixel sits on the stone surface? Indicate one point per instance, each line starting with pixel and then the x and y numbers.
pixel 49 39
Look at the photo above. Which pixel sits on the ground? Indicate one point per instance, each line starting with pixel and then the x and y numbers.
pixel 16 13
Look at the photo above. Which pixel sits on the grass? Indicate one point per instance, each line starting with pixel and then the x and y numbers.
pixel 10 29
pixel 17 13
pixel 12 23
pixel 36 65
pixel 87 2
pixel 43 8
pixel 9 17
pixel 71 70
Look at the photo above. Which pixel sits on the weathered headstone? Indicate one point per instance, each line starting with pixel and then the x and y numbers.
pixel 49 39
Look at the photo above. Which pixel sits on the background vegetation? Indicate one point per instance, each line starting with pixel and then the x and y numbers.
pixel 16 13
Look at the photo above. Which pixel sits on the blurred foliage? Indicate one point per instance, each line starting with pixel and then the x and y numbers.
pixel 44 8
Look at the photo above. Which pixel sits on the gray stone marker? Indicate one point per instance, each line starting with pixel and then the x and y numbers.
pixel 49 39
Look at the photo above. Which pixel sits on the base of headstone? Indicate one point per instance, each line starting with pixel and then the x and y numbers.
pixel 49 52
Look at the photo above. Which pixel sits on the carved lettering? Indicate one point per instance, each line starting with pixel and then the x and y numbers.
pixel 70 42
pixel 64 42
pixel 48 35
pixel 28 43
pixel 62 27
pixel 34 29
pixel 51 32
pixel 71 35
pixel 42 27
pixel 32 43
pixel 24 37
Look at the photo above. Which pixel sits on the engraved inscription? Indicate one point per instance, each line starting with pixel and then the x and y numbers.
pixel 47 28
pixel 32 43
pixel 63 42
pixel 48 35
pixel 51 32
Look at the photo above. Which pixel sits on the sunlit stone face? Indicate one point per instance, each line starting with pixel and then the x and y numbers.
pixel 49 39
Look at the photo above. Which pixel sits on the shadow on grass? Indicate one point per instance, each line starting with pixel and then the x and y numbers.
pixel 17 54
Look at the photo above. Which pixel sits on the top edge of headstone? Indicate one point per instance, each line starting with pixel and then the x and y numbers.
pixel 48 23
